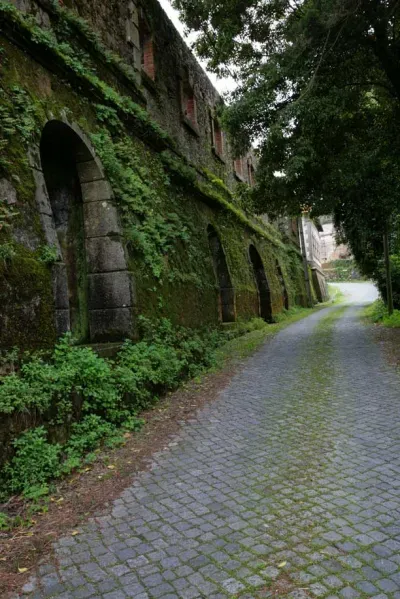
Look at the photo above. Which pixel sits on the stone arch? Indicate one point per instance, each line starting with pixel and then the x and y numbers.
pixel 226 290
pixel 285 296
pixel 93 290
pixel 264 294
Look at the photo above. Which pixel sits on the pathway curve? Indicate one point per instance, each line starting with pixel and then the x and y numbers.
pixel 289 482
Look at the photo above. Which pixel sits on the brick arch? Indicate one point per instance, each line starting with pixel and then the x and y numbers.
pixel 264 294
pixel 226 297
pixel 92 286
pixel 285 295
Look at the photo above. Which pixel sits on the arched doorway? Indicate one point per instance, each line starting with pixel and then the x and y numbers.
pixel 92 286
pixel 226 290
pixel 285 296
pixel 264 295
pixel 58 151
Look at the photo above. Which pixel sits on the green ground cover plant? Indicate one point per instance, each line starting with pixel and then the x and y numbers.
pixel 95 399
pixel 377 313
pixel 98 399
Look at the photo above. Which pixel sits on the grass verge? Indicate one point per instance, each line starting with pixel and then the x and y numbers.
pixel 337 296
pixel 244 344
pixel 377 313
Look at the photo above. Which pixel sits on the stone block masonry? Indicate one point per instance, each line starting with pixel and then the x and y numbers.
pixel 120 172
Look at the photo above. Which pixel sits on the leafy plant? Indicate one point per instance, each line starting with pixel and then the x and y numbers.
pixel 86 436
pixel 377 312
pixel 7 252
pixel 108 395
pixel 48 254
pixel 35 461
pixel 5 521
pixel 17 116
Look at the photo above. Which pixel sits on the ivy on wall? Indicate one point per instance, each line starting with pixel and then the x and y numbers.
pixel 83 69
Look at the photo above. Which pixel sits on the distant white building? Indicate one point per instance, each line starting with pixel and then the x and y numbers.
pixel 330 250
pixel 313 245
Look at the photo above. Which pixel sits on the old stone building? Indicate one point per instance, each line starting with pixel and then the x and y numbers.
pixel 119 195
pixel 314 247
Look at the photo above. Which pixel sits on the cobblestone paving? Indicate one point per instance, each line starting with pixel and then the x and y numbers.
pixel 292 477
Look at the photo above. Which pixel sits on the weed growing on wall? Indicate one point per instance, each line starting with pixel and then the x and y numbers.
pixel 83 69
pixel 148 228
pixel 17 117
pixel 48 254
pixel 7 252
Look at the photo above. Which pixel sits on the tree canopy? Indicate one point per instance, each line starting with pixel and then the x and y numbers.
pixel 319 93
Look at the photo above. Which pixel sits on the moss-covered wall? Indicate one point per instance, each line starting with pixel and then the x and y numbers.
pixel 165 205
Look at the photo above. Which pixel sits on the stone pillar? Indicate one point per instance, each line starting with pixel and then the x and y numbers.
pixel 111 289
pixel 133 34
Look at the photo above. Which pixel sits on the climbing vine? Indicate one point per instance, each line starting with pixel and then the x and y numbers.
pixel 149 229
pixel 83 69
pixel 18 116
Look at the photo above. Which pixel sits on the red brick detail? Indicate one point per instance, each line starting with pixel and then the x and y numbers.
pixel 218 139
pixel 190 109
pixel 250 172
pixel 239 166
pixel 148 57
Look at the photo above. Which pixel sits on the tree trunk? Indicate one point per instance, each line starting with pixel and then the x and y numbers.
pixel 389 290
pixel 305 262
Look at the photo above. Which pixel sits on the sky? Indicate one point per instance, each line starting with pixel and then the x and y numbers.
pixel 222 85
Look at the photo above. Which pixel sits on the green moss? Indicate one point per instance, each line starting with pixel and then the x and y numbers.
pixel 64 54
pixel 26 298
pixel 165 202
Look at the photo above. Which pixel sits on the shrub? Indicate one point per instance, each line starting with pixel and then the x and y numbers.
pixel 87 435
pixel 378 313
pixel 35 462
pixel 107 394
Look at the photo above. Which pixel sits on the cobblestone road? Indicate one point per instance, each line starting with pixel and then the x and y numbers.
pixel 290 482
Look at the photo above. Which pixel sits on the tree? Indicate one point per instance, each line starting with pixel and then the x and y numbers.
pixel 319 91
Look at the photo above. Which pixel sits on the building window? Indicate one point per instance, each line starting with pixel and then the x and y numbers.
pixel 217 136
pixel 188 101
pixel 147 50
pixel 238 165
pixel 189 106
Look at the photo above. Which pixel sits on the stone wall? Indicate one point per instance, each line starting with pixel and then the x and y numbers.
pixel 108 194
pixel 119 24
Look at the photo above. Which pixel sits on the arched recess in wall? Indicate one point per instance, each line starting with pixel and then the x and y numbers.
pixel 92 286
pixel 226 290
pixel 285 296
pixel 264 294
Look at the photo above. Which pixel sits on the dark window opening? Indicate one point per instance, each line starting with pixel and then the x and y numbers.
pixel 226 290
pixel 238 164
pixel 60 150
pixel 285 297
pixel 189 105
pixel 264 295
pixel 217 136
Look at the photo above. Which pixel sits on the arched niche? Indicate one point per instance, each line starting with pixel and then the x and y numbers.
pixel 226 290
pixel 264 294
pixel 285 296
pixel 92 286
